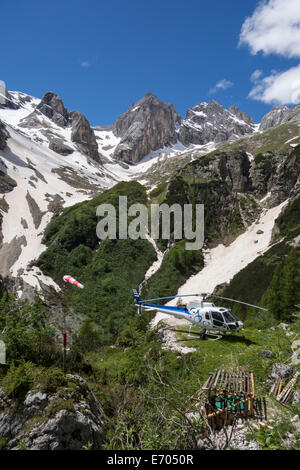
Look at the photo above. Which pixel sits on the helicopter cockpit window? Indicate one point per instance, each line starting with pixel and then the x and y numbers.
pixel 217 318
pixel 229 317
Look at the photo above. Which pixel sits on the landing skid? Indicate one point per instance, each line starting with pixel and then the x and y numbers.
pixel 217 337
pixel 204 334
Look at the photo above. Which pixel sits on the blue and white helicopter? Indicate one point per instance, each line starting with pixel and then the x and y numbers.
pixel 202 313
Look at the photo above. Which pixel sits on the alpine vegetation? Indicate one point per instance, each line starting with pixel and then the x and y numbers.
pixel 160 222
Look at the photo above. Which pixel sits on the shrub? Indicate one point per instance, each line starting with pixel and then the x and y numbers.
pixel 52 379
pixel 19 380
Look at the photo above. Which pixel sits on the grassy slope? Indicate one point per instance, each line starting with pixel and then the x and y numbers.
pixel 108 271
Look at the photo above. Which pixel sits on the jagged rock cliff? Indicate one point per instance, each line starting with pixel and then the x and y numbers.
pixel 273 118
pixel 148 125
pixel 211 122
pixel 276 174
pixel 280 115
pixel 83 135
pixel 3 136
pixel 52 106
pixel 69 419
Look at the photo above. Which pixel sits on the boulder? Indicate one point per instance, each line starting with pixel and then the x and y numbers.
pixel 58 146
pixel 266 353
pixel 296 397
pixel 282 371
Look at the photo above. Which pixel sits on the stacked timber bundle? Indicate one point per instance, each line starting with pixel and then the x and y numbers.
pixel 283 394
pixel 226 396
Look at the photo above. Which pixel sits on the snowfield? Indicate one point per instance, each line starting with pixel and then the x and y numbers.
pixel 46 179
pixel 224 262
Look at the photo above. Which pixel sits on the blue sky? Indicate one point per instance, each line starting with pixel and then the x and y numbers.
pixel 102 56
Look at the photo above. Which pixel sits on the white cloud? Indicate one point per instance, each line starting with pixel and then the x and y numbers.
pixel 273 28
pixel 221 85
pixel 85 63
pixel 256 75
pixel 278 88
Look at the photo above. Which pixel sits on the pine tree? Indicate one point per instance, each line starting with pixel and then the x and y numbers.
pixel 284 290
pixel 290 284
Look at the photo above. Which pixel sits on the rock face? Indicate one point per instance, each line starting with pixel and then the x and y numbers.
pixel 5 98
pixel 273 118
pixel 276 173
pixel 3 136
pixel 231 168
pixel 52 422
pixel 221 181
pixel 52 106
pixel 280 115
pixel 7 184
pixel 148 125
pixel 211 122
pixel 83 135
pixel 58 146
pixel 282 371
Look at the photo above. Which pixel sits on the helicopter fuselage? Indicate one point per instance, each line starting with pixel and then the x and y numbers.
pixel 203 314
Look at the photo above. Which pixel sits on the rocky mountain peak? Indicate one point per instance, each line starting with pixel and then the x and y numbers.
pixel 241 115
pixel 52 106
pixel 280 115
pixel 83 135
pixel 273 118
pixel 211 122
pixel 147 125
pixel 5 98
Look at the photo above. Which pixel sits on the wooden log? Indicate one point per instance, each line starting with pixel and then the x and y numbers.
pixel 279 387
pixel 273 387
pixel 221 380
pixel 212 379
pixel 225 382
pixel 252 384
pixel 229 389
pixel 286 396
pixel 217 378
pixel 289 386
pixel 233 383
pixel 208 382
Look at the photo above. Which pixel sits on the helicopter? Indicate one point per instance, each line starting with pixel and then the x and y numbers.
pixel 201 313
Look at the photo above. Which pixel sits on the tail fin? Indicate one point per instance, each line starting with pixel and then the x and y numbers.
pixel 138 301
pixel 136 296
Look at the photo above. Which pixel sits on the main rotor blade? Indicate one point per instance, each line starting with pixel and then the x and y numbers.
pixel 171 297
pixel 239 302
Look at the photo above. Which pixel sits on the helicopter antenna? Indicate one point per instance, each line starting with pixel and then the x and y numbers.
pixel 239 302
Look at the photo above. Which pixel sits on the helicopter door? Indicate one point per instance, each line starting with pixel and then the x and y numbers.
pixel 217 319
